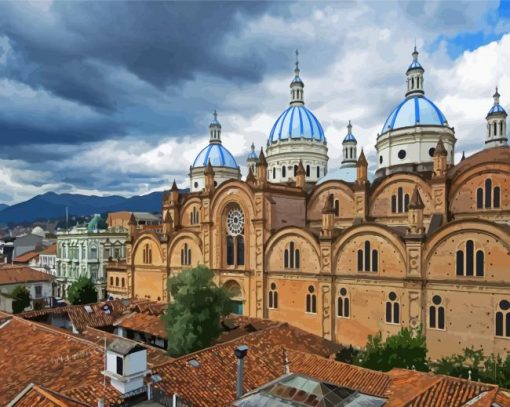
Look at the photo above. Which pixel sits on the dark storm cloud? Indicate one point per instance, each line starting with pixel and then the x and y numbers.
pixel 161 43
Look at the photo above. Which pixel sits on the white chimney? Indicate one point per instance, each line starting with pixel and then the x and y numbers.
pixel 126 365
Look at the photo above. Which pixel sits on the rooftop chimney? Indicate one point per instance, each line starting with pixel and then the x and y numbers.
pixel 100 403
pixel 240 353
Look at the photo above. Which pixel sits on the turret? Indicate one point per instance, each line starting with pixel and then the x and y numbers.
pixel 440 161
pixel 349 147
pixel 362 169
pixel 415 76
pixel 262 170
pixel 215 130
pixel 252 159
pixel 168 224
pixel 174 193
pixel 250 178
pixel 209 178
pixel 496 125
pixel 300 175
pixel 328 217
pixel 132 225
pixel 416 214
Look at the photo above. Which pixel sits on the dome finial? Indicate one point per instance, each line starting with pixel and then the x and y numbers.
pixel 349 128
pixel 496 97
pixel 215 129
pixel 252 146
pixel 296 86
pixel 415 76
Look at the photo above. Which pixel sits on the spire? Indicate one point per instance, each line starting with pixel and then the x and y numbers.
pixel 416 202
pixel 415 76
pixel 262 158
pixel 209 169
pixel 496 97
pixel 349 147
pixel 440 150
pixel 300 169
pixel 296 86
pixel 362 161
pixel 250 178
pixel 215 129
pixel 463 156
pixel 174 187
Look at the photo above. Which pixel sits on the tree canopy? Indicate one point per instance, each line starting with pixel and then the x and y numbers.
pixel 82 291
pixel 21 299
pixel 192 320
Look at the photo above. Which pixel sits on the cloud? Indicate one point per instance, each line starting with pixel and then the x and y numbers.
pixel 117 97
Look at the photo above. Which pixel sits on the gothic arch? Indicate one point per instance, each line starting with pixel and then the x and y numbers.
pixel 183 235
pixel 143 238
pixel 315 203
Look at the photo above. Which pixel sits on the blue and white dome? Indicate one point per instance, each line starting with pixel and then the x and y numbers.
pixel 496 109
pixel 414 111
pixel 297 122
pixel 217 154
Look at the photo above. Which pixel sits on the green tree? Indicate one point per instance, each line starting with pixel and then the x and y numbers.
pixel 407 350
pixel 21 299
pixel 192 321
pixel 82 291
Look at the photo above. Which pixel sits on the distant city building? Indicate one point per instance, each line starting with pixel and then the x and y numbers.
pixel 122 218
pixel 39 285
pixel 84 251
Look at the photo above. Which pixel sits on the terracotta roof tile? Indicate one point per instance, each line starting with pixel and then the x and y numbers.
pixel 40 396
pixel 21 274
pixel 52 249
pixel 143 322
pixel 26 257
pixel 81 318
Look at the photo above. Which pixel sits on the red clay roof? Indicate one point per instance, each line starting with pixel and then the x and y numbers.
pixel 26 257
pixel 50 249
pixel 79 315
pixel 21 274
pixel 40 396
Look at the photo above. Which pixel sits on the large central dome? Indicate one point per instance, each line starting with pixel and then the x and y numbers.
pixel 297 122
pixel 218 155
pixel 414 111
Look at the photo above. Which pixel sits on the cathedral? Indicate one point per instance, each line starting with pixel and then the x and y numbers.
pixel 341 252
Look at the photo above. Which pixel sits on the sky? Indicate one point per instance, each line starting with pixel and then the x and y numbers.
pixel 116 97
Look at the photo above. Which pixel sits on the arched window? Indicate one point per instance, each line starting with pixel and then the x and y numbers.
pixel 319 172
pixel 368 259
pixel 307 170
pixel 488 193
pixel 123 282
pixel 274 172
pixel 488 196
pixel 185 255
pixel 343 304
pixel 295 169
pixel 111 281
pixel 116 281
pixel 436 313
pixel 235 237
pixel 273 296
pixel 311 301
pixel 392 309
pixel 503 319
pixel 284 172
pixel 496 197
pixel 337 207
pixel 495 129
pixel 468 261
pixel 479 198
pixel 400 201
pixel 194 216
pixel 93 252
pixel 291 257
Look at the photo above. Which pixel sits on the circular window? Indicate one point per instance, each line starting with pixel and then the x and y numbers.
pixel 380 159
pixel 235 222
pixel 504 305
pixel 402 154
pixel 392 296
pixel 343 291
pixel 436 299
pixel 196 184
pixel 311 289
pixel 273 286
pixel 432 151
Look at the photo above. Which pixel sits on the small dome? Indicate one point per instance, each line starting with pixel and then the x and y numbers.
pixel 217 154
pixel 349 136
pixel 496 109
pixel 297 122
pixel 96 223
pixel 414 111
pixel 414 65
pixel 38 231
pixel 253 155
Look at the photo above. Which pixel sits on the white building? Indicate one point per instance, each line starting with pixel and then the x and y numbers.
pixel 85 250
pixel 38 283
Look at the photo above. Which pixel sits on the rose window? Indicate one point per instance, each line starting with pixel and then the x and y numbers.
pixel 235 222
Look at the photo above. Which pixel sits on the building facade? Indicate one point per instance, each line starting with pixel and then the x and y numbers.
pixel 85 251
pixel 424 244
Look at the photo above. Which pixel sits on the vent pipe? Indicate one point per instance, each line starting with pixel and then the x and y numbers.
pixel 240 353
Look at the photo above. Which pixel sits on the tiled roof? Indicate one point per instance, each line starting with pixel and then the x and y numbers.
pixel 155 356
pixel 143 322
pixel 40 396
pixel 35 353
pixel 21 274
pixel 52 249
pixel 26 257
pixel 212 382
pixel 81 318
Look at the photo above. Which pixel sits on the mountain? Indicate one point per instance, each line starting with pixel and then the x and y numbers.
pixel 3 206
pixel 53 206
